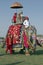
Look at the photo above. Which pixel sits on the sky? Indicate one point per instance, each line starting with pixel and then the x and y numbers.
pixel 31 8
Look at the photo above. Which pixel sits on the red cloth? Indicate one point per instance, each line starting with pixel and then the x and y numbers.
pixel 8 45
pixel 8 41
pixel 14 30
pixel 14 17
pixel 25 39
pixel 16 38
pixel 15 41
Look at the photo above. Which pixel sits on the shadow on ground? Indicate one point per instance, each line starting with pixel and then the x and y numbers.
pixel 14 53
pixel 38 52
pixel 2 54
pixel 15 63
pixel 20 52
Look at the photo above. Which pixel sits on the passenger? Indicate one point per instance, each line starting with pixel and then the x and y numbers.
pixel 19 18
